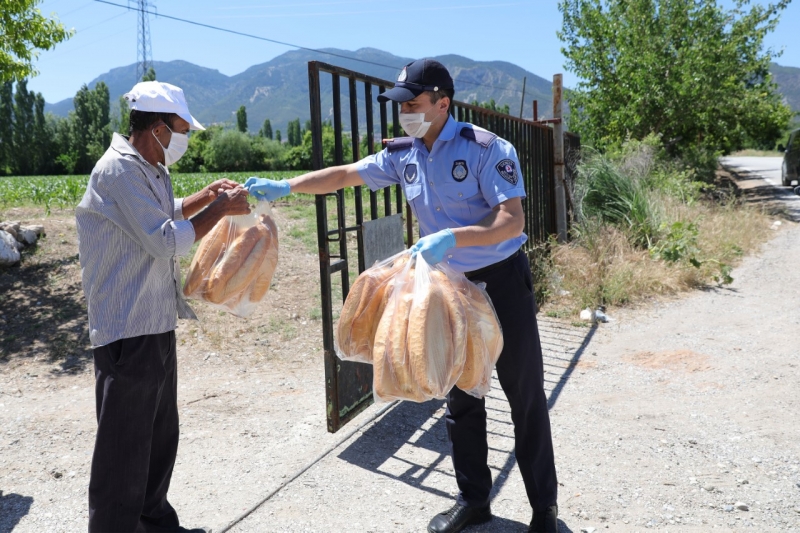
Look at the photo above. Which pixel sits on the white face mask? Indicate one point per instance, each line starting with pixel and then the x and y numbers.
pixel 414 124
pixel 177 147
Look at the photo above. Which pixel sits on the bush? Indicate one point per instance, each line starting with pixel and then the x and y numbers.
pixel 229 151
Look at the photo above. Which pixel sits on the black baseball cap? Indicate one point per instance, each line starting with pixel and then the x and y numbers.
pixel 416 78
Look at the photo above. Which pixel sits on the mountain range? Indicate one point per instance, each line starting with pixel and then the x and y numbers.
pixel 278 89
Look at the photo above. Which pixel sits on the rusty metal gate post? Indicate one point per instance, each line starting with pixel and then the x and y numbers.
pixel 558 159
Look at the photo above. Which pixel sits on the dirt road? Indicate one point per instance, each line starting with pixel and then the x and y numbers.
pixel 679 416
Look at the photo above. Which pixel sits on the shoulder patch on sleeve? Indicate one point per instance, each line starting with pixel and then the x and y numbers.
pixel 398 143
pixel 482 137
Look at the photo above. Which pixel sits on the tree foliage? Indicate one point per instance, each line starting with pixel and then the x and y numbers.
pixel 24 31
pixel 266 129
pixel 492 106
pixel 150 75
pixel 689 71
pixel 241 119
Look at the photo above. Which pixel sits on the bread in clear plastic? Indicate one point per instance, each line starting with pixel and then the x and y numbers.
pixel 233 267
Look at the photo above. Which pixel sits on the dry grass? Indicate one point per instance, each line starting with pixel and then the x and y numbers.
pixel 757 153
pixel 601 266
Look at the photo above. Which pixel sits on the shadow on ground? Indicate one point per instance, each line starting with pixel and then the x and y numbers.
pixel 417 427
pixel 777 201
pixel 12 508
pixel 42 317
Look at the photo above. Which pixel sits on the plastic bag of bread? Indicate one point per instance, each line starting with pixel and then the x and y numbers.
pixel 420 344
pixel 484 338
pixel 363 308
pixel 234 264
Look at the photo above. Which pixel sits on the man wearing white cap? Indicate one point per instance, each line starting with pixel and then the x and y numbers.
pixel 131 230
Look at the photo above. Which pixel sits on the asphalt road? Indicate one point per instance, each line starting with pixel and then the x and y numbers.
pixel 768 168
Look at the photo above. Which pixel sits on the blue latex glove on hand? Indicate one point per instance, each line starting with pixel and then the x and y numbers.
pixel 264 189
pixel 433 247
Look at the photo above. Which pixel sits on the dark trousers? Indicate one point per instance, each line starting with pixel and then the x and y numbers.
pixel 521 374
pixel 137 435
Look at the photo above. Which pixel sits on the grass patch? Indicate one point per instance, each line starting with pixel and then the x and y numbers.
pixel 65 192
pixel 757 153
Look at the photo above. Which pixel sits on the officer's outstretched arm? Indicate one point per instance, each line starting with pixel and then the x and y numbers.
pixel 327 180
pixel 506 221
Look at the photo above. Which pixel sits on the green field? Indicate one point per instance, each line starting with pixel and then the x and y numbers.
pixel 66 192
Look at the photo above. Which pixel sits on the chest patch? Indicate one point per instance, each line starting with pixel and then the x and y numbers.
pixel 460 170
pixel 410 173
pixel 508 171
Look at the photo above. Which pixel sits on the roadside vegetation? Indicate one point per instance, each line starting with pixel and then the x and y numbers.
pixel 646 225
pixel 665 88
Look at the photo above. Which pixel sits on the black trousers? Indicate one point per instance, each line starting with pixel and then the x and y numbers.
pixel 521 374
pixel 137 435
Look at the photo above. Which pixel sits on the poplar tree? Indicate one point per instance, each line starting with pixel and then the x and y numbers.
pixel 6 126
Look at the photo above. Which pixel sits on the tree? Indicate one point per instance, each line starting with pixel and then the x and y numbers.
pixel 241 119
pixel 266 129
pixel 122 122
pixel 6 126
pixel 91 131
pixel 278 136
pixel 229 150
pixel 23 129
pixel 42 138
pixel 492 106
pixel 24 31
pixel 294 136
pixel 150 75
pixel 689 71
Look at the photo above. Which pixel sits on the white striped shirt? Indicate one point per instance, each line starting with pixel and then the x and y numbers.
pixel 130 233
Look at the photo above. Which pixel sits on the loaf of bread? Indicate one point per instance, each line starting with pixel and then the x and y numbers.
pixel 436 336
pixel 392 378
pixel 363 308
pixel 484 339
pixel 211 248
pixel 237 262
pixel 263 278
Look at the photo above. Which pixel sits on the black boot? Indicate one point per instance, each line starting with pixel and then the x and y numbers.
pixel 458 517
pixel 545 521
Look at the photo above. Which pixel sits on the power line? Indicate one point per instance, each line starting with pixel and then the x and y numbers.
pixel 291 45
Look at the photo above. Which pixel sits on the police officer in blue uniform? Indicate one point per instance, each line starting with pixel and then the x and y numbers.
pixel 464 186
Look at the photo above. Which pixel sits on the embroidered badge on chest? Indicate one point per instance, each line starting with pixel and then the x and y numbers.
pixel 508 171
pixel 460 170
pixel 410 173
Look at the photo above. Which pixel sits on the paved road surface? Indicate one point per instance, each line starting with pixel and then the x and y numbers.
pixel 767 167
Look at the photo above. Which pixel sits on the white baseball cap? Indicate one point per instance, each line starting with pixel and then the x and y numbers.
pixel 160 97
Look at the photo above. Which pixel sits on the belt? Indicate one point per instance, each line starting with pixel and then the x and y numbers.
pixel 493 266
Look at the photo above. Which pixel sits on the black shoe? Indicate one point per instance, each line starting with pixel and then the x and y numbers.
pixel 545 521
pixel 458 517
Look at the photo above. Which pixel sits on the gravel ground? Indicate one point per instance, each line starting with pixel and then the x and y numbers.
pixel 677 416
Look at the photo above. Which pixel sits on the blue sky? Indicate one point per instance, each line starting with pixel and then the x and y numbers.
pixel 519 31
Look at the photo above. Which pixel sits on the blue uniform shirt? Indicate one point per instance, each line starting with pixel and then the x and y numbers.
pixel 468 172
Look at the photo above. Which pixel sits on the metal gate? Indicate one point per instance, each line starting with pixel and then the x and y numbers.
pixel 352 235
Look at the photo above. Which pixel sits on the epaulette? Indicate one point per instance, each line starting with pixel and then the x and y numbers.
pixel 398 143
pixel 482 137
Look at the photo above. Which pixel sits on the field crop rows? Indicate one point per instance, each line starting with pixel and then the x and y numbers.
pixel 66 191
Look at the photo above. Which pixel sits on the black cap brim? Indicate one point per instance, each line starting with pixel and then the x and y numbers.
pixel 399 94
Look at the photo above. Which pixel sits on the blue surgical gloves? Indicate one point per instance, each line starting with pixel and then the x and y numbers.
pixel 264 189
pixel 434 246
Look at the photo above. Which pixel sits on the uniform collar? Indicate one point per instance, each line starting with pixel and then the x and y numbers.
pixel 449 130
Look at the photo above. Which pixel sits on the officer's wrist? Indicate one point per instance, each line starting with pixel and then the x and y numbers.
pixel 451 241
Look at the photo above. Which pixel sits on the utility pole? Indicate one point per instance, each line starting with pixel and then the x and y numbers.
pixel 558 159
pixel 144 49
pixel 522 103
